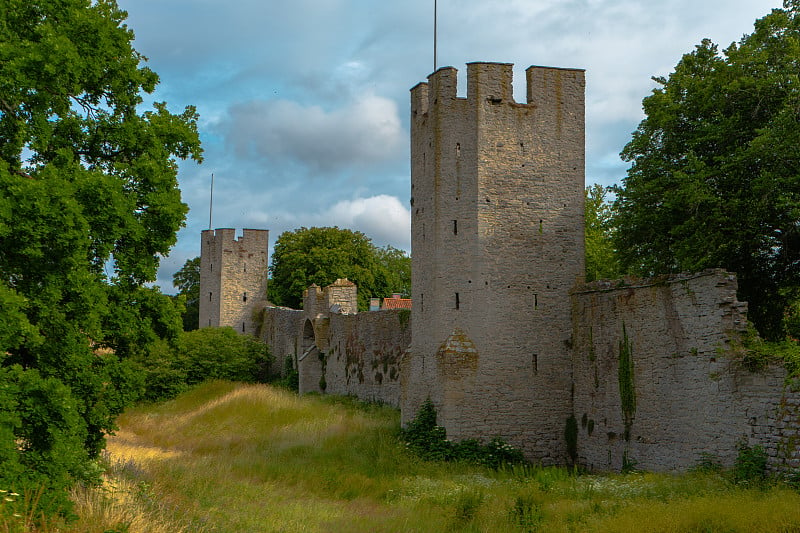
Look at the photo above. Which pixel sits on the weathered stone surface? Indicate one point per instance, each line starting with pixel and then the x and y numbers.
pixel 693 398
pixel 497 240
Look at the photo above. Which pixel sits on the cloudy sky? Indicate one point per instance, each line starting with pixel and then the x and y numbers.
pixel 304 104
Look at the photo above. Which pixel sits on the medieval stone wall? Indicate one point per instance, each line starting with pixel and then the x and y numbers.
pixel 282 330
pixel 658 379
pixel 335 350
pixel 363 354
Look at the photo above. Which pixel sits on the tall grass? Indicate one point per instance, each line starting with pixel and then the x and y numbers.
pixel 240 458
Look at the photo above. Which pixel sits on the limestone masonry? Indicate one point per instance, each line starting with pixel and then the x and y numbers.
pixel 502 336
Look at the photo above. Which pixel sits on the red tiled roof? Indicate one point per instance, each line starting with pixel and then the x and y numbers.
pixel 396 303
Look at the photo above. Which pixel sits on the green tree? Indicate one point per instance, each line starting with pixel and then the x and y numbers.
pixel 396 270
pixel 601 257
pixel 187 281
pixel 715 175
pixel 321 255
pixel 202 354
pixel 89 201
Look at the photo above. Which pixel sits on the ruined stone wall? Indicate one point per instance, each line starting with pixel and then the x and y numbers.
pixel 336 352
pixel 282 330
pixel 658 380
pixel 497 239
pixel 364 353
pixel 233 277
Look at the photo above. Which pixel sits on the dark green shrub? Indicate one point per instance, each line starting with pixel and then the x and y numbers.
pixel 428 440
pixel 199 355
pixel 750 465
pixel 526 513
pixel 291 377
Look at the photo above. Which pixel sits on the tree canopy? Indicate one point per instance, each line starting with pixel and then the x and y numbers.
pixel 89 202
pixel 321 255
pixel 715 175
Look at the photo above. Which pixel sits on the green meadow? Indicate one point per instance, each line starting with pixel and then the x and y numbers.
pixel 228 457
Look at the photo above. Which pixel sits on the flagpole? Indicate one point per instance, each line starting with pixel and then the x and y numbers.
pixel 211 201
pixel 434 34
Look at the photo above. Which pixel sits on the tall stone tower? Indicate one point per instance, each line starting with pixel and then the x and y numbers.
pixel 497 194
pixel 233 277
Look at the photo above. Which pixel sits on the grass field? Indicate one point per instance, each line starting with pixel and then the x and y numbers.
pixel 252 458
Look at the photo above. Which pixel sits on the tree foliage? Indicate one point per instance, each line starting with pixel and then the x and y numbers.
pixel 187 281
pixel 715 175
pixel 601 257
pixel 395 271
pixel 88 203
pixel 200 355
pixel 321 255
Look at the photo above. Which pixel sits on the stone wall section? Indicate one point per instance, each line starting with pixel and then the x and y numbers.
pixel 233 278
pixel 497 239
pixel 363 354
pixel 282 330
pixel 337 351
pixel 692 398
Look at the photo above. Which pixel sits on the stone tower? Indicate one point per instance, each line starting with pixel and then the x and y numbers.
pixel 233 277
pixel 497 194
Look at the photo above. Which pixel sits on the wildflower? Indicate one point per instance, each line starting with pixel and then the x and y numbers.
pixel 13 494
pixel 8 499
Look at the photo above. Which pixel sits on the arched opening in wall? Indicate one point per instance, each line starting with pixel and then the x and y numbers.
pixel 310 364
pixel 308 337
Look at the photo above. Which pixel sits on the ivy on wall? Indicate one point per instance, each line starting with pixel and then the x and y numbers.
pixel 627 391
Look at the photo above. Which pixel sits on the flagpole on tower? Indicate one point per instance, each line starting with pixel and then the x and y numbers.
pixel 211 201
pixel 434 34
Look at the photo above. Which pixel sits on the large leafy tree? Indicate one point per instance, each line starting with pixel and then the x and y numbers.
pixel 715 175
pixel 89 201
pixel 321 255
pixel 187 281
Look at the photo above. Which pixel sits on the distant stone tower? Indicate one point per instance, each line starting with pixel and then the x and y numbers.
pixel 497 194
pixel 233 277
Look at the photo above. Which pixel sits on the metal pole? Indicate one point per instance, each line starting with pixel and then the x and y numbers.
pixel 211 201
pixel 434 34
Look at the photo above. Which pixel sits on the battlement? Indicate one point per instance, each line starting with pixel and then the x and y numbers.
pixel 227 236
pixel 493 83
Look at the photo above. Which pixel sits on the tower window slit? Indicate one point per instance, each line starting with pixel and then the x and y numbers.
pixel 457 301
pixel 455 227
pixel 244 297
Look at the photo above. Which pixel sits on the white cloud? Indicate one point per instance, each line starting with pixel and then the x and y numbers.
pixel 365 132
pixel 383 218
